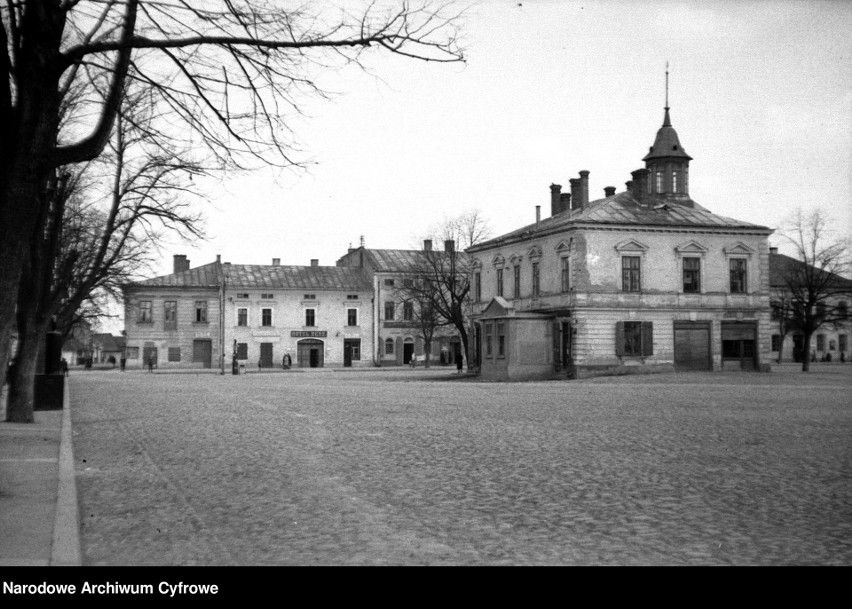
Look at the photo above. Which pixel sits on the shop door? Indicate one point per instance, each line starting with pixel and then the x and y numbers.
pixel 407 353
pixel 266 355
pixel 692 345
pixel 202 351
pixel 739 340
pixel 351 351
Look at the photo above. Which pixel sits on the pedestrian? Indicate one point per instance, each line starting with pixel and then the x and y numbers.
pixel 843 357
pixel 459 363
pixel 63 366
pixel 259 364
pixel 123 362
pixel 288 361
pixel 151 364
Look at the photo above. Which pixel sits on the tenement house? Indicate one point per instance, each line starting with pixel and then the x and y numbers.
pixel 398 338
pixel 641 278
pixel 257 314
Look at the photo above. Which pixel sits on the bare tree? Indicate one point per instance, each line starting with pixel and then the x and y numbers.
pixel 225 77
pixel 814 283
pixel 105 223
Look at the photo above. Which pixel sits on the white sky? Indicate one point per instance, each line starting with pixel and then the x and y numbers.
pixel 760 95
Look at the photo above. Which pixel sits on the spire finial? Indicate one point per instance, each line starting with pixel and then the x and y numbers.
pixel 667 85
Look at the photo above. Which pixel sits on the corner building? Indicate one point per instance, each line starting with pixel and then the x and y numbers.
pixel 642 278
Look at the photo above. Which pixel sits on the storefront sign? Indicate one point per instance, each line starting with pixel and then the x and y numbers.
pixel 309 333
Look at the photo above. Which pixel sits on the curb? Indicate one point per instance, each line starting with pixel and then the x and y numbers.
pixel 66 524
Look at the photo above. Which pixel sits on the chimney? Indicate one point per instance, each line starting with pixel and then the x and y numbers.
pixel 427 245
pixel 640 184
pixel 609 191
pixel 773 250
pixel 584 182
pixel 180 263
pixel 449 246
pixel 565 201
pixel 629 185
pixel 555 199
pixel 362 240
pixel 218 258
pixel 537 216
pixel 276 262
pixel 576 193
pixel 314 261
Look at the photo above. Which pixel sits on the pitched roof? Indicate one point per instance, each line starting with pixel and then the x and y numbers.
pixel 267 277
pixel 108 342
pixel 782 267
pixel 623 209
pixel 297 277
pixel 396 260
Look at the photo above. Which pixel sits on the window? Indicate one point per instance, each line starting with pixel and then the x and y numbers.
pixel 389 346
pixel 170 315
pixel 842 311
pixel 499 282
pixel 267 296
pixel 389 283
pixel 390 309
pixel 174 354
pixel 517 285
pixel 145 312
pixel 631 279
pixel 310 317
pixel 477 286
pixel 738 275
pixel 351 317
pixel 310 297
pixel 266 317
pixel 634 338
pixel 832 345
pixel 242 350
pixel 776 342
pixel 407 282
pixel 201 311
pixel 352 297
pixel 820 310
pixel 659 181
pixel 820 342
pixel 692 275
pixel 242 317
pixel 501 339
pixel 674 181
pixel 566 276
pixel 242 295
pixel 354 346
pixel 132 352
pixel 488 339
pixel 408 311
pixel 535 280
pixel 841 342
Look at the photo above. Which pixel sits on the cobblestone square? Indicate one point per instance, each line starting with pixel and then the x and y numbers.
pixel 421 467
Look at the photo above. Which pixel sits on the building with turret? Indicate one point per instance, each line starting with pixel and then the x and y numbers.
pixel 640 280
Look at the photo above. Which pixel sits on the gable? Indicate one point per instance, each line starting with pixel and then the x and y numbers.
pixel 498 307
pixel 631 245
pixel 738 248
pixel 691 247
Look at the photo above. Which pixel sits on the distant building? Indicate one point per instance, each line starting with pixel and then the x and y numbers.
pixel 106 346
pixel 646 278
pixel 256 314
pixel 396 334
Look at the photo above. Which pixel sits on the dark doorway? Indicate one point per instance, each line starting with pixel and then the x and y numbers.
pixel 147 352
pixel 266 355
pixel 351 350
pixel 798 347
pixel 739 344
pixel 202 351
pixel 310 353
pixel 565 350
pixel 407 353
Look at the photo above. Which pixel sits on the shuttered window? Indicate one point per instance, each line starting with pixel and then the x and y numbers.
pixel 634 338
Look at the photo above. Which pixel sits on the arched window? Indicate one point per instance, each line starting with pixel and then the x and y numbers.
pixel 389 346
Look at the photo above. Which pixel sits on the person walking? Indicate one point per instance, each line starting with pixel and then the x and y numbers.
pixel 123 362
pixel 63 366
pixel 459 363
pixel 151 364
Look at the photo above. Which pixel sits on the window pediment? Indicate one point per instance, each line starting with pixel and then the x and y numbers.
pixel 498 260
pixel 515 259
pixel 691 247
pixel 563 247
pixel 534 252
pixel 738 249
pixel 631 245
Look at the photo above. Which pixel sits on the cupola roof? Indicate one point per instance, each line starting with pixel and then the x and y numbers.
pixel 666 144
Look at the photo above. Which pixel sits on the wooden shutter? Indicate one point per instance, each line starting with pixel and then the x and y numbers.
pixel 647 338
pixel 619 338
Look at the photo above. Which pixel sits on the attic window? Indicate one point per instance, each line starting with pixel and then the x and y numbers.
pixel 310 297
pixel 352 297
pixel 242 295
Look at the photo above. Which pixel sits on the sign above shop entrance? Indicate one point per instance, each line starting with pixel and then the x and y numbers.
pixel 311 333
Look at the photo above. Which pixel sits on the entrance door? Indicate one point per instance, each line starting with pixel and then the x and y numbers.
pixel 565 354
pixel 147 352
pixel 266 355
pixel 692 345
pixel 407 353
pixel 202 351
pixel 351 350
pixel 310 353
pixel 739 341
pixel 798 347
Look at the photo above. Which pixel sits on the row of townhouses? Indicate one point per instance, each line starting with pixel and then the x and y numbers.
pixel 646 277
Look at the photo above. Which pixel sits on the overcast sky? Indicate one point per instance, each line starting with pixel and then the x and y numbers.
pixel 760 95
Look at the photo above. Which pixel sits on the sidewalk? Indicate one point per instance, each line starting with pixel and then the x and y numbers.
pixel 39 523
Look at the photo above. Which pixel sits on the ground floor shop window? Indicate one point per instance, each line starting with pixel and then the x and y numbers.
pixel 132 352
pixel 842 342
pixel 634 338
pixel 488 339
pixel 242 350
pixel 174 354
pixel 776 342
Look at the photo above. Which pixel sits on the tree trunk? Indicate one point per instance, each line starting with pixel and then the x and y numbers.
pixel 427 352
pixel 806 356
pixel 21 396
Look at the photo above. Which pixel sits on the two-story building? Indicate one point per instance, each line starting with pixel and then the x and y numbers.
pixel 257 314
pixel 646 277
pixel 397 336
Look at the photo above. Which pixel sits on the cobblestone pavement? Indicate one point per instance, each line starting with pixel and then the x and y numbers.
pixel 419 467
